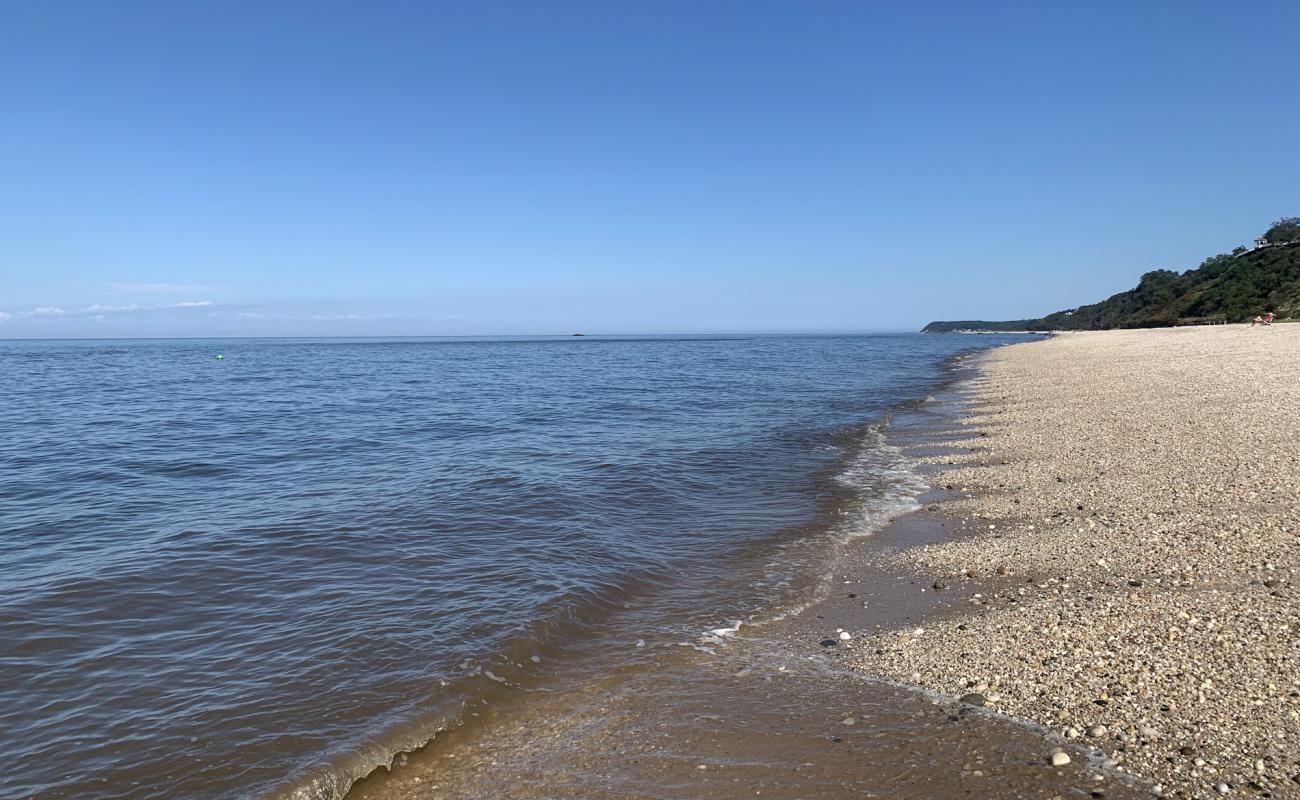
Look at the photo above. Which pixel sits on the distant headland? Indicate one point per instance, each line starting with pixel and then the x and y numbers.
pixel 1230 287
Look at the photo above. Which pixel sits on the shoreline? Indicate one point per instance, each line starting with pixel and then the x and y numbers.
pixel 1119 554
pixel 765 709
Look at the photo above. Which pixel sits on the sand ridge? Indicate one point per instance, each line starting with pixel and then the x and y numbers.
pixel 1130 577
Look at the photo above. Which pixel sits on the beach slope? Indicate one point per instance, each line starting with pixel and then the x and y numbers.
pixel 1127 575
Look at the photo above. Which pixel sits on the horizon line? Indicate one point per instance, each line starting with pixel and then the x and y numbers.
pixel 577 335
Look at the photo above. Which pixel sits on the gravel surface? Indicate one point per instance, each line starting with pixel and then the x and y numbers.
pixel 1129 574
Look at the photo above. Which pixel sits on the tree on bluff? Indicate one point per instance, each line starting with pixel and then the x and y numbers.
pixel 1286 229
pixel 1157 288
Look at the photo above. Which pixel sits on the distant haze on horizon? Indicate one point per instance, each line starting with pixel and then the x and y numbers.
pixel 342 169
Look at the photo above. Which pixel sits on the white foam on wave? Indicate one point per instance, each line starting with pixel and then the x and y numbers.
pixel 886 482
pixel 719 636
pixel 729 630
pixel 885 485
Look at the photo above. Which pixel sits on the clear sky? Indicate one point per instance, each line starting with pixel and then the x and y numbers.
pixel 369 168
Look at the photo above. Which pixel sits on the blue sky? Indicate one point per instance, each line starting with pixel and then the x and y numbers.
pixel 327 168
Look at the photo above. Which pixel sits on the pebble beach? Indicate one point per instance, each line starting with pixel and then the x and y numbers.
pixel 1126 561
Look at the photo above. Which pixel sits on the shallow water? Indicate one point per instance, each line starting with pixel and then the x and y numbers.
pixel 265 575
pixel 755 720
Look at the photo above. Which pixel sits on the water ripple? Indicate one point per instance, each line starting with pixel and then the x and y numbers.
pixel 264 575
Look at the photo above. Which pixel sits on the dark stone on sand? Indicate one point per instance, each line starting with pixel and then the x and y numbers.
pixel 975 699
pixel 1186 751
pixel 1270 584
pixel 829 643
pixel 939 586
pixel 851 594
pixel 1135 583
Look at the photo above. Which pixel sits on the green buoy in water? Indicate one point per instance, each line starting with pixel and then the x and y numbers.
pixel 220 357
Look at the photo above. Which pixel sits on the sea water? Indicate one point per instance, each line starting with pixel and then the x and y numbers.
pixel 267 574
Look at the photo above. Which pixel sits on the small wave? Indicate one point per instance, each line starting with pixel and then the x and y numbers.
pixel 511 666
pixel 883 485
pixel 886 482
pixel 180 469
pixel 729 630
pixel 718 636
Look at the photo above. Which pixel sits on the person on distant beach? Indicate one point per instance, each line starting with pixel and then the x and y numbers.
pixel 1267 319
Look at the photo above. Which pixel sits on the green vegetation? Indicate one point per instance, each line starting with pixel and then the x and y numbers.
pixel 1225 288
pixel 1284 230
pixel 982 325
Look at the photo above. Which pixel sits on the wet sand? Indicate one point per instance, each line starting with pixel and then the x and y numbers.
pixel 754 719
pixel 1122 554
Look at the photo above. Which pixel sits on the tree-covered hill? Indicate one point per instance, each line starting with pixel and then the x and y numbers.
pixel 1232 287
pixel 983 325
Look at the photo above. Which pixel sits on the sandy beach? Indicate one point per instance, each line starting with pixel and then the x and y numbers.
pixel 1126 507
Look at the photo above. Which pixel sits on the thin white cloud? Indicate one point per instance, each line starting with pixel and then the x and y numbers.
pixel 98 310
pixel 102 311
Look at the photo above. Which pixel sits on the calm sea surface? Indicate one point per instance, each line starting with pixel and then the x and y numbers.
pixel 265 575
